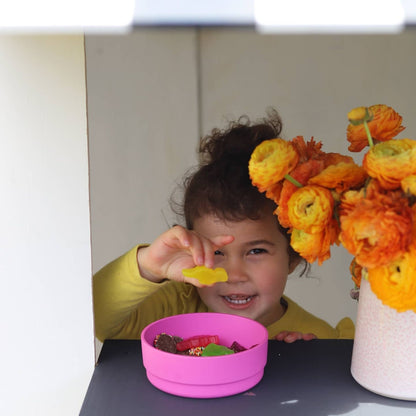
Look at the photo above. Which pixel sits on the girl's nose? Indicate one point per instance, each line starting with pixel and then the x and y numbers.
pixel 236 271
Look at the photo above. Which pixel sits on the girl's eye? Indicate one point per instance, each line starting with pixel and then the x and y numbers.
pixel 218 253
pixel 258 251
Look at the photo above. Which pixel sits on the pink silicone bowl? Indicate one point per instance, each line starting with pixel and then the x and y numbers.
pixel 206 377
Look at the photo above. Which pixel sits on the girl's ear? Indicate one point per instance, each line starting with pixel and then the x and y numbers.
pixel 293 263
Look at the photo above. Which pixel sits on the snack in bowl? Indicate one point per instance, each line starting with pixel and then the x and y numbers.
pixel 224 375
pixel 199 345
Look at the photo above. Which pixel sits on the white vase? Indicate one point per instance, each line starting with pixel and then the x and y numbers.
pixel 384 351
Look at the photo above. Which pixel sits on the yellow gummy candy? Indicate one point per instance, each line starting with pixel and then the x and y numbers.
pixel 205 275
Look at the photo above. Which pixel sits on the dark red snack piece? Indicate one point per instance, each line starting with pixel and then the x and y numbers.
pixel 236 347
pixel 197 341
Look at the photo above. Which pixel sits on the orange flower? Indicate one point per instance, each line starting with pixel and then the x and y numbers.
pixel 301 173
pixel 408 185
pixel 270 162
pixel 395 283
pixel 377 229
pixel 391 161
pixel 307 150
pixel 340 177
pixel 274 191
pixel 310 208
pixel 349 200
pixel 413 242
pixel 356 272
pixel 316 246
pixel 385 124
pixel 335 158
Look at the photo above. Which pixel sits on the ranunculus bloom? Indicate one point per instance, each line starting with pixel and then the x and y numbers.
pixel 270 162
pixel 408 185
pixel 391 161
pixel 310 208
pixel 349 200
pixel 307 150
pixel 335 158
pixel 395 283
pixel 378 228
pixel 413 242
pixel 356 272
pixel 340 177
pixel 385 125
pixel 359 114
pixel 315 247
pixel 301 173
pixel 274 191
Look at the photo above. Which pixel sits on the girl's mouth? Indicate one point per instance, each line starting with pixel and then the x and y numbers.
pixel 238 301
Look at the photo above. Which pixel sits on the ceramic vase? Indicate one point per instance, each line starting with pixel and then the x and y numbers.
pixel 384 351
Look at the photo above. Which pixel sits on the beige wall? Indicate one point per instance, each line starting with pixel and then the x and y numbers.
pixel 143 124
pixel 152 92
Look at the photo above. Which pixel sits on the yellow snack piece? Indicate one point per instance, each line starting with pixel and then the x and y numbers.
pixel 205 275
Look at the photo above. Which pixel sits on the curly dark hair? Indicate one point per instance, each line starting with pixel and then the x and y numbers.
pixel 221 185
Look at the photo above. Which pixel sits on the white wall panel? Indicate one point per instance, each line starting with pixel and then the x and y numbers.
pixel 47 343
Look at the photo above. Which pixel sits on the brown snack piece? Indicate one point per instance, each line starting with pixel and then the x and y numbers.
pixel 166 343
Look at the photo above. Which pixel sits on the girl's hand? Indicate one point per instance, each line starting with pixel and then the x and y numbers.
pixel 292 336
pixel 175 250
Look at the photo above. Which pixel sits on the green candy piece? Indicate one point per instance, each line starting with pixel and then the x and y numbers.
pixel 212 350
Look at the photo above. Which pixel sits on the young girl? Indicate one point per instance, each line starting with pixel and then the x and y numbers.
pixel 229 224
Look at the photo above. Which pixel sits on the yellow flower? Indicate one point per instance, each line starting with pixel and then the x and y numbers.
pixel 408 185
pixel 301 173
pixel 340 177
pixel 358 115
pixel 391 161
pixel 310 208
pixel 315 246
pixel 395 283
pixel 385 124
pixel 270 162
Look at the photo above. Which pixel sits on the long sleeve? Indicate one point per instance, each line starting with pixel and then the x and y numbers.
pixel 118 288
pixel 124 302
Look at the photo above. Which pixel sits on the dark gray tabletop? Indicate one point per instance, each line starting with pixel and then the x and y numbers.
pixel 304 378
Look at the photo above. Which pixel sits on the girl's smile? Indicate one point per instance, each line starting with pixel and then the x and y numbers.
pixel 239 301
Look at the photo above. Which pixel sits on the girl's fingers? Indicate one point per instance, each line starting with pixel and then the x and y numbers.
pixel 201 248
pixel 308 337
pixel 292 336
pixel 216 243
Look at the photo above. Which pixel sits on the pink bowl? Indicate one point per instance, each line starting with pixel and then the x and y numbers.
pixel 205 377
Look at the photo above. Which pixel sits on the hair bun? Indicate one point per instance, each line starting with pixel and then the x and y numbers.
pixel 239 139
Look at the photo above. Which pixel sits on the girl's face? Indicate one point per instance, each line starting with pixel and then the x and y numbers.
pixel 257 264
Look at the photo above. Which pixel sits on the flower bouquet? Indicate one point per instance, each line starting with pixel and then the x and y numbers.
pixel 326 198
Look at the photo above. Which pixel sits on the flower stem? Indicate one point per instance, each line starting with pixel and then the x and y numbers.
pixel 367 130
pixel 293 180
